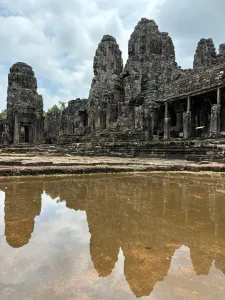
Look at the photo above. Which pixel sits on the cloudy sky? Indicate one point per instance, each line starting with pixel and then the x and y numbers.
pixel 58 38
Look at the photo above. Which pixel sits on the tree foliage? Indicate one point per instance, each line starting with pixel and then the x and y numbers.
pixel 3 115
pixel 62 105
pixel 57 107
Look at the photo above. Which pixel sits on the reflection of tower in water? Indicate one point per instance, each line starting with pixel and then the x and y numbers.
pixel 185 202
pixel 147 217
pixel 103 221
pixel 22 205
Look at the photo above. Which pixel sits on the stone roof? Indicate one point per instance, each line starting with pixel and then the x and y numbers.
pixel 196 83
pixel 21 67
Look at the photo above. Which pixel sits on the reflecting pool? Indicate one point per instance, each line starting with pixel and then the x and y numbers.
pixel 150 236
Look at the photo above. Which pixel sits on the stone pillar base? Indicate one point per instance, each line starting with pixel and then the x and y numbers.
pixel 16 137
pixel 5 142
pixel 187 124
pixel 215 120
pixel 166 128
pixel 150 132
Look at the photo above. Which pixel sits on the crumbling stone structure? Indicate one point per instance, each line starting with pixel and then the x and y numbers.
pixel 24 106
pixel 67 125
pixel 205 55
pixel 106 93
pixel 150 98
pixel 52 126
pixel 74 117
pixel 201 96
pixel 151 64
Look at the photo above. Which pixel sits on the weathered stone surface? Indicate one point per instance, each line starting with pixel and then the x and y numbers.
pixel 205 55
pixel 201 80
pixel 106 90
pixel 75 117
pixel 215 120
pixel 126 106
pixel 24 105
pixel 187 124
pixel 62 126
pixel 222 53
pixel 52 126
pixel 151 64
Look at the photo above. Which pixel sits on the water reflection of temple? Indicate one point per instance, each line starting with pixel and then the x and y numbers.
pixel 22 205
pixel 148 217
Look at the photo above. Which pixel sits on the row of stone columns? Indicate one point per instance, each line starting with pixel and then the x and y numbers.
pixel 187 119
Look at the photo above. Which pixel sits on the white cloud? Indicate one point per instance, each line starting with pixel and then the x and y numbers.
pixel 59 38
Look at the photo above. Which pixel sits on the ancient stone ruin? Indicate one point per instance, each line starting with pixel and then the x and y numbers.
pixel 150 99
pixel 25 122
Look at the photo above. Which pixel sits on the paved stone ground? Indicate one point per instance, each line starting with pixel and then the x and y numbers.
pixel 25 164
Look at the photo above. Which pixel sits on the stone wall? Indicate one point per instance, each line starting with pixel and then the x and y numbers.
pixel 75 117
pixel 52 126
pixel 71 121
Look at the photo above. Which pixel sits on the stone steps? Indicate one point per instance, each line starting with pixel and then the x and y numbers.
pixel 190 150
pixel 199 158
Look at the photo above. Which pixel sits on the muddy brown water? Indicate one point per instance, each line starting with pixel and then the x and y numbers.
pixel 148 236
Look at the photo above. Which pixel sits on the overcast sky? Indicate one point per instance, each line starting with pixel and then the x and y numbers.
pixel 58 38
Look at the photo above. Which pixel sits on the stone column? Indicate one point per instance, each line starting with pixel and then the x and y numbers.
pixel 151 116
pixel 31 136
pixel 36 131
pixel 97 115
pixel 16 138
pixel 187 120
pixel 215 116
pixel 166 123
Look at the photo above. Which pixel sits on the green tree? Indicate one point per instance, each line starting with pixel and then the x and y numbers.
pixel 53 108
pixel 3 115
pixel 60 107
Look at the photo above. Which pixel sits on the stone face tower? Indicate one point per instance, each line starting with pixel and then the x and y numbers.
pixel 222 53
pixel 151 63
pixel 106 90
pixel 205 55
pixel 24 106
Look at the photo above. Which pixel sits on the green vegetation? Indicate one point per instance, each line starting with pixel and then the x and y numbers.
pixel 3 115
pixel 55 108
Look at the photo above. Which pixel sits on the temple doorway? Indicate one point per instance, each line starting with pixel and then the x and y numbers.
pixel 103 121
pixel 26 134
pixel 84 118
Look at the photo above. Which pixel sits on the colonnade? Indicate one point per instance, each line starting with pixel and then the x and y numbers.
pixel 214 128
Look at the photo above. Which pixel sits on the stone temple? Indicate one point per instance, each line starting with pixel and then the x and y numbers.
pixel 25 121
pixel 148 101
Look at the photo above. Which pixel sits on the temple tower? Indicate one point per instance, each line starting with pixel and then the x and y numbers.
pixel 24 106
